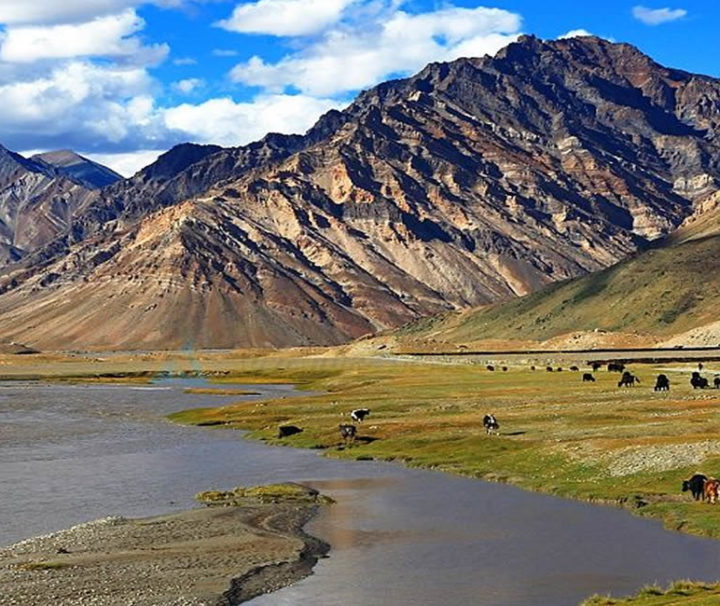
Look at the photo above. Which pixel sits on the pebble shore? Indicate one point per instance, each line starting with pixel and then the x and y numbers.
pixel 203 557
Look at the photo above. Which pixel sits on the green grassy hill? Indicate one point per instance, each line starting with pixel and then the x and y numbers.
pixel 662 292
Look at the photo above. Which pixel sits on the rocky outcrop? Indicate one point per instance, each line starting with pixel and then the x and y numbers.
pixel 470 183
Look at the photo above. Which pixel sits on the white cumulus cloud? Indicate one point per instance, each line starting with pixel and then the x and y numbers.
pixel 285 17
pixel 77 101
pixel 232 124
pixel 224 52
pixel 67 11
pixel 78 74
pixel 235 123
pixel 126 164
pixel 110 36
pixel 650 16
pixel 351 57
pixel 188 85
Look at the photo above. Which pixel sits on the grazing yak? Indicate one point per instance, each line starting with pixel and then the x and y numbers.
pixel 549 368
pixel 490 367
pixel 588 378
pixel 628 379
pixel 710 490
pixel 490 424
pixel 348 432
pixel 716 382
pixel 504 369
pixel 574 368
pixel 697 381
pixel 696 485
pixel 662 383
pixel 596 366
pixel 615 367
pixel 358 415
pixel 285 431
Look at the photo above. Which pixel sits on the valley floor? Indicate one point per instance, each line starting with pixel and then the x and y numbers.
pixel 629 447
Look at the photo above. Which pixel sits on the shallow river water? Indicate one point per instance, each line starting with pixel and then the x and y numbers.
pixel 400 537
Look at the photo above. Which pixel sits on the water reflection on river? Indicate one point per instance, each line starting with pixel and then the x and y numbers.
pixel 73 453
pixel 436 539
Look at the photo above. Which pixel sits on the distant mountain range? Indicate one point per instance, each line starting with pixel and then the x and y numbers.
pixel 76 168
pixel 470 183
pixel 40 196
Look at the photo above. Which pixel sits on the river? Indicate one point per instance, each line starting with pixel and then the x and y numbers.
pixel 72 453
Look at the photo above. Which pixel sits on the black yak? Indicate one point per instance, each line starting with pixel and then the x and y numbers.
pixel 695 485
pixel 348 432
pixel 628 379
pixel 662 383
pixel 359 414
pixel 697 381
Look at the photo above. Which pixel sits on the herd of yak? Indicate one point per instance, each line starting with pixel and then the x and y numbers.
pixel 662 383
pixel 699 485
pixel 702 487
pixel 348 432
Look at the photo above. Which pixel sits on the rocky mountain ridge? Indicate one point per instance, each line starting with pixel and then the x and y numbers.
pixel 469 183
pixel 77 168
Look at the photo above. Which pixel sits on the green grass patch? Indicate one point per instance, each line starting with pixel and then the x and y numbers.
pixel 287 492
pixel 301 377
pixel 680 592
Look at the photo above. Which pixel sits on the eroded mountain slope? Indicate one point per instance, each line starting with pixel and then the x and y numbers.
pixel 470 183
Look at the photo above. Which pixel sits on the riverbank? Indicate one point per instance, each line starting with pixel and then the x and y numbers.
pixel 680 592
pixel 590 441
pixel 582 440
pixel 204 557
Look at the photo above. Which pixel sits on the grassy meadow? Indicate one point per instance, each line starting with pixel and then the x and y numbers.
pixel 590 441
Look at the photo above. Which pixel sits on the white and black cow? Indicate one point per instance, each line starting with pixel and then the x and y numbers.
pixel 358 415
pixel 490 424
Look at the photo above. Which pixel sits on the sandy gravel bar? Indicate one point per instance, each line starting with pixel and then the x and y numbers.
pixel 211 556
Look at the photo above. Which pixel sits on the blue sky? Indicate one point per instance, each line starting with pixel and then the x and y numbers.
pixel 123 80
